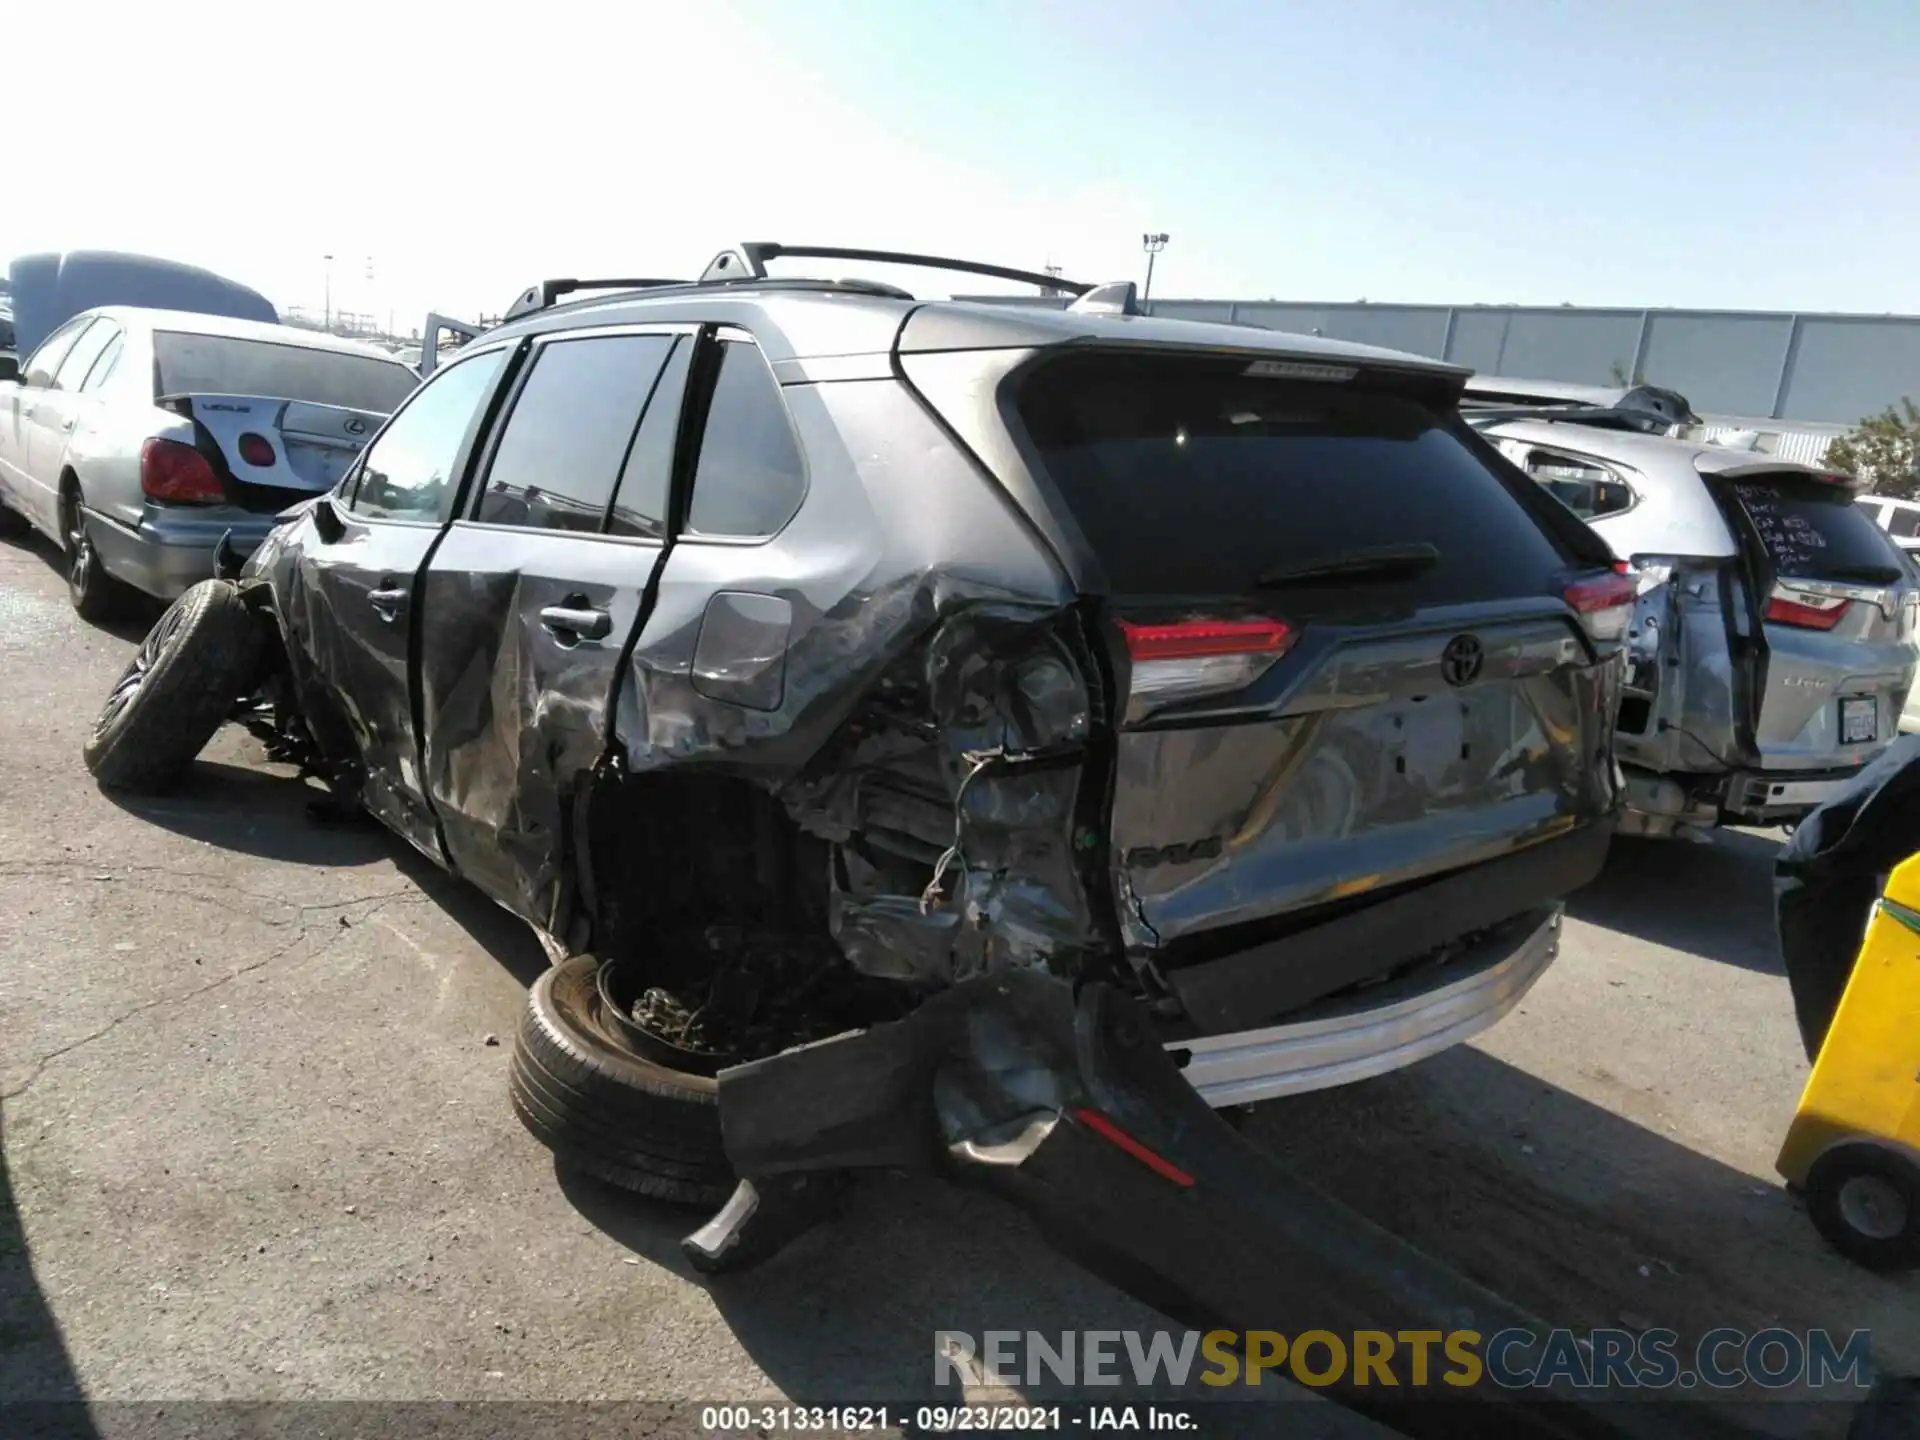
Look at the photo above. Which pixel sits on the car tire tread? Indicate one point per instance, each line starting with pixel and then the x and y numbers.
pixel 189 691
pixel 607 1112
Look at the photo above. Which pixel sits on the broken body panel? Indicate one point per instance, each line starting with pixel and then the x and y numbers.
pixel 932 672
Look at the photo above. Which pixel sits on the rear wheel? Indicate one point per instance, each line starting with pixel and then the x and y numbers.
pixel 603 1109
pixel 1865 1199
pixel 197 662
pixel 96 595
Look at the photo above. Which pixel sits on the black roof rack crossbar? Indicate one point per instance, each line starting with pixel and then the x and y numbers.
pixel 1618 417
pixel 543 295
pixel 749 262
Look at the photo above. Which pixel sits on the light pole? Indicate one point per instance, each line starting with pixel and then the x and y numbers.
pixel 1153 245
pixel 326 322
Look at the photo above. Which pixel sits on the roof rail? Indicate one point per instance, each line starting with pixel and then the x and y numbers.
pixel 748 261
pixel 543 295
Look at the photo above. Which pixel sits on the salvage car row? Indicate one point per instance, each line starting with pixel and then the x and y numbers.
pixel 787 652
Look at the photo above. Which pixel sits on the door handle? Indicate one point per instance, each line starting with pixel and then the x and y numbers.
pixel 581 624
pixel 387 600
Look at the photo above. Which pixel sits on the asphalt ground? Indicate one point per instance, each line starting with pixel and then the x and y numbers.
pixel 257 1146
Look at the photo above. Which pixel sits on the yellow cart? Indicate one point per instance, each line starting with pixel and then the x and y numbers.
pixel 1854 1145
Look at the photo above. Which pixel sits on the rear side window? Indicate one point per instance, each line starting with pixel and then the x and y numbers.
pixel 749 480
pixel 1813 531
pixel 94 339
pixel 569 432
pixel 1590 490
pixel 1189 478
pixel 646 480
pixel 104 367
pixel 1903 522
pixel 222 365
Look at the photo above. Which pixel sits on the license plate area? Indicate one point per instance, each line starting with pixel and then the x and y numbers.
pixel 1858 720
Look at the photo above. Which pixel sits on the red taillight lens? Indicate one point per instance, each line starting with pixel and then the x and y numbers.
pixel 256 450
pixel 1196 639
pixel 1604 603
pixel 178 473
pixel 1194 658
pixel 1807 611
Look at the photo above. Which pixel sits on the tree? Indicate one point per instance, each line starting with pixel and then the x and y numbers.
pixel 1883 450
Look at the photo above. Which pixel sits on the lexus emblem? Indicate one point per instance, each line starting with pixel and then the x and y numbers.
pixel 1460 662
pixel 356 426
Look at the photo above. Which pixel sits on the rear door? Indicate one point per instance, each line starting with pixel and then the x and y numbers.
pixel 1343 635
pixel 1834 657
pixel 350 605
pixel 529 602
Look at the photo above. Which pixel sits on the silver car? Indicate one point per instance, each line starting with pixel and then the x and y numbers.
pixel 138 438
pixel 1772 645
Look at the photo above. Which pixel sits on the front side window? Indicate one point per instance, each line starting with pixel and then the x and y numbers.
pixel 45 360
pixel 569 432
pixel 749 479
pixel 410 469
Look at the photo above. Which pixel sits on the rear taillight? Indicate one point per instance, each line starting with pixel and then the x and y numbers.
pixel 178 473
pixel 1193 658
pixel 256 450
pixel 1604 603
pixel 1805 609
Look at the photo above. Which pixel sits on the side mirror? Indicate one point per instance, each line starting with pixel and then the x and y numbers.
pixel 9 368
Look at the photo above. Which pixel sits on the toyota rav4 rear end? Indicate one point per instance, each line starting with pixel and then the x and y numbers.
pixel 1363 678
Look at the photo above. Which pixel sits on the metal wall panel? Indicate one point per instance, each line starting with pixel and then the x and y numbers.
pixel 1724 364
pixel 1845 369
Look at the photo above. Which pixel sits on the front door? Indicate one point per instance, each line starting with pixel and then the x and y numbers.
pixel 21 421
pixel 351 602
pixel 529 603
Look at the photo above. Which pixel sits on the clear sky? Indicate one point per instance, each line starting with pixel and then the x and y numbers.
pixel 1742 153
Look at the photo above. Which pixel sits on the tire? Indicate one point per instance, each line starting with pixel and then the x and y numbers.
pixel 606 1111
pixel 1865 1200
pixel 199 659
pixel 95 594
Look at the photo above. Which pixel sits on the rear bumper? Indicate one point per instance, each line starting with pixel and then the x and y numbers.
pixel 171 550
pixel 1772 796
pixel 1385 1028
pixel 1281 977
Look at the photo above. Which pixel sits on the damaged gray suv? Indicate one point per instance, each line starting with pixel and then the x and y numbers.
pixel 786 651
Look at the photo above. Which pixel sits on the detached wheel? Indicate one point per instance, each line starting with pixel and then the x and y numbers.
pixel 1865 1200
pixel 197 662
pixel 603 1109
pixel 95 594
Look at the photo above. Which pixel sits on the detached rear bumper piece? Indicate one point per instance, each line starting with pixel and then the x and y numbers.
pixel 1068 1107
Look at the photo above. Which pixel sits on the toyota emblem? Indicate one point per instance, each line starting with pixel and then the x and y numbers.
pixel 356 426
pixel 1460 662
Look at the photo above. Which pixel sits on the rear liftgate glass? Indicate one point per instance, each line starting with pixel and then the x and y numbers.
pixel 1350 657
